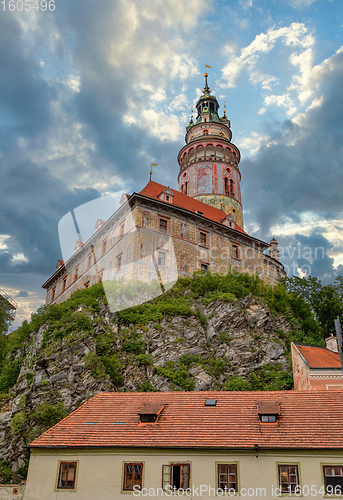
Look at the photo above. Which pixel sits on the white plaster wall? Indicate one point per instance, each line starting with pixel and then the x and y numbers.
pixel 100 472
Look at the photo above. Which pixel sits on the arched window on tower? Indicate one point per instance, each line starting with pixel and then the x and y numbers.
pixel 232 188
pixel 226 186
pixel 186 187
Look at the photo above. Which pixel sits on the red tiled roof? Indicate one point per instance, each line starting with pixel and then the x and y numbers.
pixel 319 357
pixel 153 190
pixel 308 419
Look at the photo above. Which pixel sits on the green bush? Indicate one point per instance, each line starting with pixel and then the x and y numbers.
pixel 104 344
pixel 9 374
pixel 236 383
pixel 100 366
pixel 145 359
pixel 5 472
pixel 95 365
pixel 134 344
pixel 270 378
pixel 224 338
pixel 48 415
pixel 17 422
pixel 177 374
pixel 146 386
pixel 202 318
pixel 113 368
pixel 188 359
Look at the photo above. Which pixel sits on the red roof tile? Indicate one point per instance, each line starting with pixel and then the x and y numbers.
pixel 153 190
pixel 308 419
pixel 319 357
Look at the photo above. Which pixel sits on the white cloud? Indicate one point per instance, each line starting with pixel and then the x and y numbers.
pixel 278 101
pixel 19 257
pixel 300 4
pixel 297 42
pixel 3 239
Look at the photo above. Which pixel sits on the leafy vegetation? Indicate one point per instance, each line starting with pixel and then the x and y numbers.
pixel 5 472
pixel 326 302
pixel 308 306
pixel 177 373
pixel 47 415
pixel 100 366
pixel 264 378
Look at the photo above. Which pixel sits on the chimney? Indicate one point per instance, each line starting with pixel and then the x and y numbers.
pixel 274 250
pixel 99 224
pixel 59 264
pixel 331 343
pixel 78 245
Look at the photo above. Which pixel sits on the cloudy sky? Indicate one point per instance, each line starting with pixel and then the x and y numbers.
pixel 95 91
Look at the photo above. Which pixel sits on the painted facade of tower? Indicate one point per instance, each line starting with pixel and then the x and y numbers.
pixel 209 161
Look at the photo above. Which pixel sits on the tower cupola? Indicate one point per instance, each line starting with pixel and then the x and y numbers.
pixel 209 161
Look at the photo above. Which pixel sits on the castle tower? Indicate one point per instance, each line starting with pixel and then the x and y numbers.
pixel 209 161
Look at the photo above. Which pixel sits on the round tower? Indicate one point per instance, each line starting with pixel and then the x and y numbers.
pixel 209 161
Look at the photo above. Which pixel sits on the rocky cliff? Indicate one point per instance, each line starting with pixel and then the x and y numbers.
pixel 190 339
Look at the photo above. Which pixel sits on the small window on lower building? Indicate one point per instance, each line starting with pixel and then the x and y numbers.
pixel 288 478
pixel 333 477
pixel 161 259
pixel 64 284
pixel 67 476
pixel 53 294
pixel 227 477
pixel 176 475
pixel 133 476
pixel 87 284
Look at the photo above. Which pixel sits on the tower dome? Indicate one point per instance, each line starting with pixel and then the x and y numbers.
pixel 209 161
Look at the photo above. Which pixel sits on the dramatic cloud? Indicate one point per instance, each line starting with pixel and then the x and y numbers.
pixel 93 93
pixel 299 170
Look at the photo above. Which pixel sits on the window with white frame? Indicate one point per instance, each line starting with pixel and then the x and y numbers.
pixel 176 475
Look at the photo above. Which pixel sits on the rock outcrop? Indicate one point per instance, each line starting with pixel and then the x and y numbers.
pixel 201 352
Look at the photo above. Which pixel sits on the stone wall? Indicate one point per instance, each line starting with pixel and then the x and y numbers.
pixel 130 249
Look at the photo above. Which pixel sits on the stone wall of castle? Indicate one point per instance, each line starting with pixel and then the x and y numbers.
pixel 139 247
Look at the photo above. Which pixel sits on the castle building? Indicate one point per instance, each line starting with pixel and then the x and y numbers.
pixel 161 233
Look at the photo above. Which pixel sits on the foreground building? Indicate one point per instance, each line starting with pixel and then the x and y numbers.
pixel 317 368
pixel 160 233
pixel 208 444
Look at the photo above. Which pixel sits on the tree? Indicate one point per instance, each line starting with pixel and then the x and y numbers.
pixel 326 302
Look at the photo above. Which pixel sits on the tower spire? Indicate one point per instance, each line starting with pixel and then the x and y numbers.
pixel 207 89
pixel 209 162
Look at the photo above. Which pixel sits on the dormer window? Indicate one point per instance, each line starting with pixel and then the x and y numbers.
pixel 268 412
pixel 149 413
pixel 268 418
pixel 166 195
pixel 148 418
